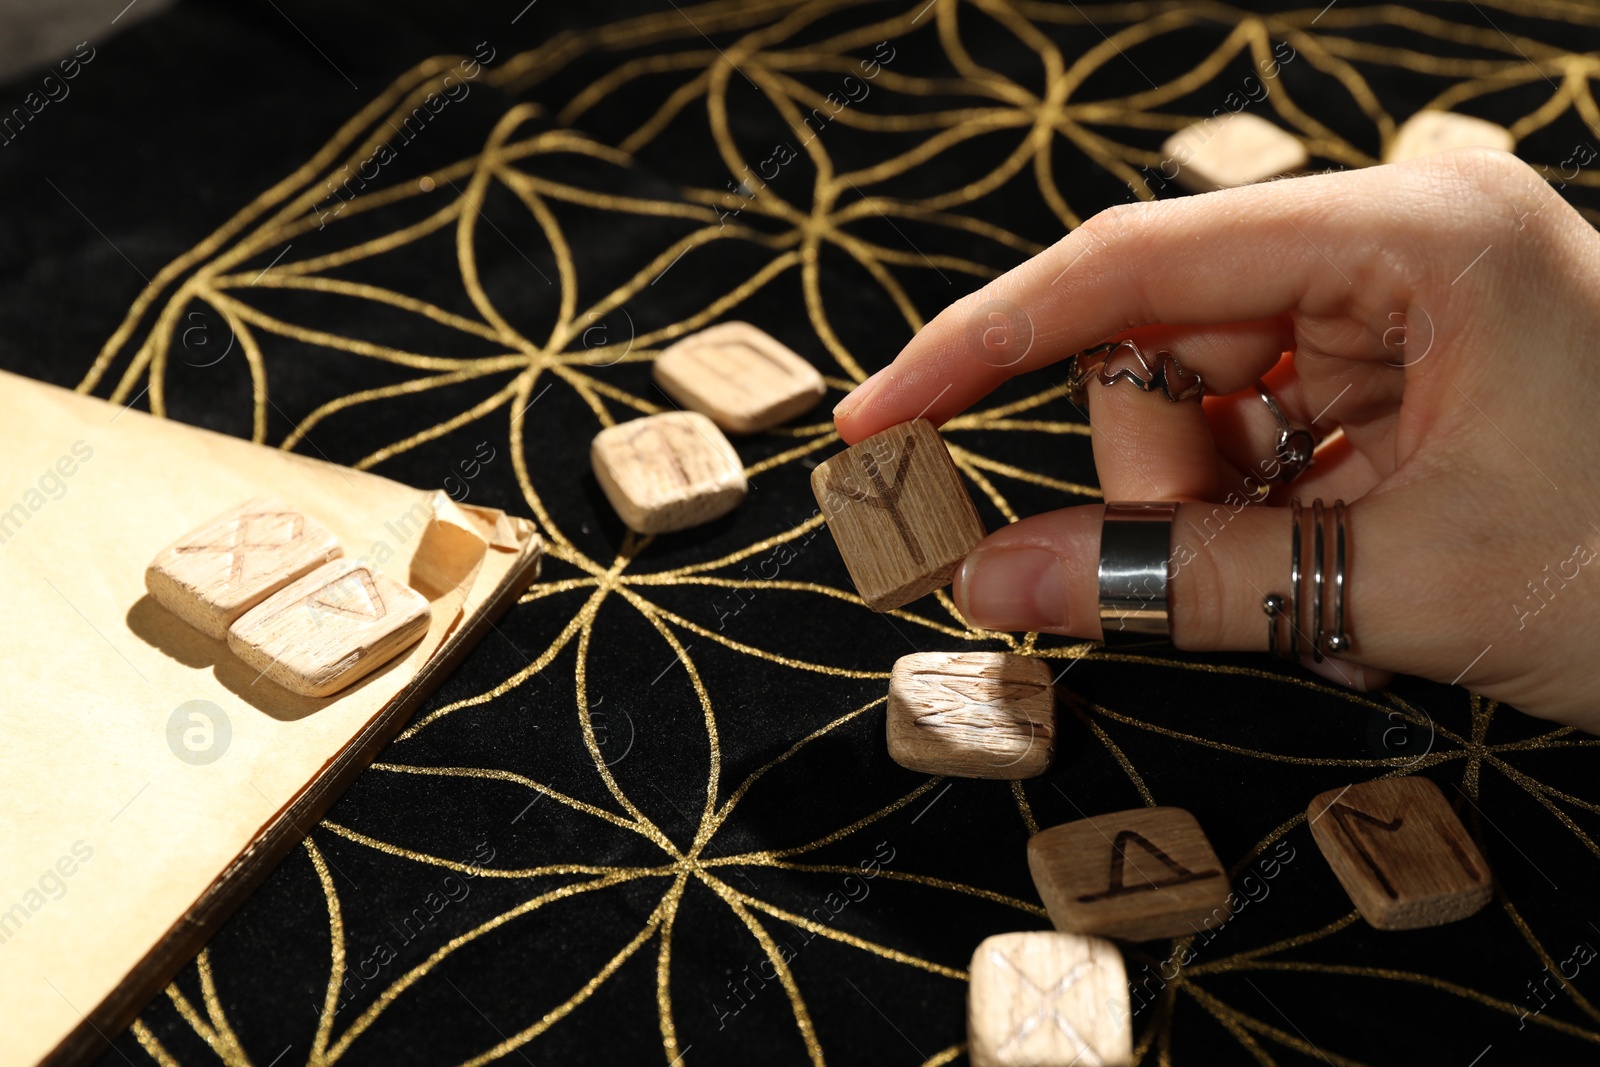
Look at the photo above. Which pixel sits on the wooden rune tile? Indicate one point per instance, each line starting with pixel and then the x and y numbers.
pixel 972 714
pixel 1046 999
pixel 1232 150
pixel 331 628
pixel 1430 131
pixel 898 512
pixel 1400 852
pixel 668 472
pixel 213 574
pixel 1134 875
pixel 740 377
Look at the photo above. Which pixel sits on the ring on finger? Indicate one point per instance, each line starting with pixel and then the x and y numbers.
pixel 1295 443
pixel 1135 553
pixel 1124 361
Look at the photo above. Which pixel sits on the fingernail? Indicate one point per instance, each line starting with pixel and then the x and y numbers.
pixel 1022 588
pixel 854 397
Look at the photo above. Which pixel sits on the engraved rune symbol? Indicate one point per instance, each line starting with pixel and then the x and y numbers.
pixel 707 358
pixel 886 496
pixel 353 595
pixel 1047 1010
pixel 959 702
pixel 1344 815
pixel 262 529
pixel 662 449
pixel 1177 873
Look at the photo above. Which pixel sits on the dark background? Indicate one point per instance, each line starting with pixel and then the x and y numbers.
pixel 186 117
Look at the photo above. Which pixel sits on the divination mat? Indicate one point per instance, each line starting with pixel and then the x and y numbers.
pixel 632 827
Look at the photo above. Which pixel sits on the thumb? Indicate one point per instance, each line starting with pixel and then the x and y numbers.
pixel 1042 574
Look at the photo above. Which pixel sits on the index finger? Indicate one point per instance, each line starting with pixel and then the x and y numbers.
pixel 1325 245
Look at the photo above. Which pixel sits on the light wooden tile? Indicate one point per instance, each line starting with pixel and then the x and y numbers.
pixel 668 472
pixel 899 513
pixel 1232 150
pixel 1134 875
pixel 1400 852
pixel 740 377
pixel 1430 131
pixel 1046 999
pixel 972 714
pixel 212 575
pixel 329 629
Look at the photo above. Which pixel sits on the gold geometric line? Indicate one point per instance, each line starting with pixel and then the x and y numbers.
pixel 472 414
pixel 811 287
pixel 768 855
pixel 235 1053
pixel 237 222
pixel 1360 700
pixel 415 974
pixel 586 384
pixel 1400 763
pixel 554 649
pixel 723 303
pixel 409 387
pixel 804 527
pixel 1227 963
pixel 1426 980
pixel 322 339
pixel 966 466
pixel 984 418
pixel 651 610
pixel 1024 808
pixel 226 1053
pixel 540 590
pixel 839 935
pixel 330 1000
pixel 996 467
pixel 152 1045
pixel 1534 785
pixel 1561 816
pixel 472 870
pixel 258 371
pixel 623 73
pixel 555 1015
pixel 1239 1025
pixel 896 876
pixel 797 1004
pixel 1116 753
pixel 1020 425
pixel 713 741
pixel 495 775
pixel 790 456
pixel 744 787
pixel 949 1055
pixel 633 205
pixel 669 1027
pixel 1547 959
pixel 272 279
pixel 643 824
pixel 566 268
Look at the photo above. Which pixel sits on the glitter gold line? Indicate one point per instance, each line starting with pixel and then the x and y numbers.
pixel 330 999
pixel 1024 808
pixel 727 891
pixel 415 974
pixel 152 1045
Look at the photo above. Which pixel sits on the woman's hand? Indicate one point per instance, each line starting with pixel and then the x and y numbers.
pixel 1445 314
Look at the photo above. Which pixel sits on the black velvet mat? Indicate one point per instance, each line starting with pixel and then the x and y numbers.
pixel 631 827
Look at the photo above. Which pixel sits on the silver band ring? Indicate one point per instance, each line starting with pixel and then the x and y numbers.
pixel 1295 443
pixel 1135 550
pixel 1147 373
pixel 1284 622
